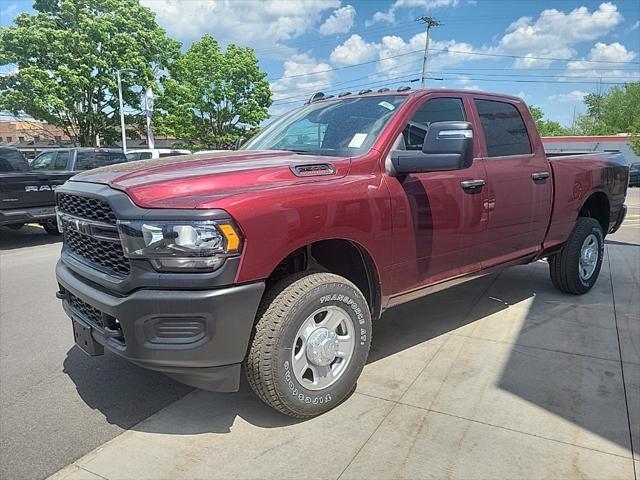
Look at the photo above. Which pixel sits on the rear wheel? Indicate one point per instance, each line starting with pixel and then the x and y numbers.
pixel 310 344
pixel 576 267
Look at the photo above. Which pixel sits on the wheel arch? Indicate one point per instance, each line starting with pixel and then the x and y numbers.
pixel 597 207
pixel 340 256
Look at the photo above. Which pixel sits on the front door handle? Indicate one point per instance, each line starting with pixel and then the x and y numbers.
pixel 540 176
pixel 472 185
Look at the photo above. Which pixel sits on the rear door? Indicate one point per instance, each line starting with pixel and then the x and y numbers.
pixel 519 180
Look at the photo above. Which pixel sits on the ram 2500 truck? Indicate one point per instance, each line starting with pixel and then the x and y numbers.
pixel 26 190
pixel 277 258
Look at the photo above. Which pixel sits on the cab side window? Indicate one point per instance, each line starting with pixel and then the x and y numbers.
pixel 435 110
pixel 504 130
pixel 45 161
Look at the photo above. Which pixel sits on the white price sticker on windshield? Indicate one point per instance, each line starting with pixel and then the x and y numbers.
pixel 357 140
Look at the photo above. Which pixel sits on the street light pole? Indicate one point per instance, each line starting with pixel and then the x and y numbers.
pixel 124 134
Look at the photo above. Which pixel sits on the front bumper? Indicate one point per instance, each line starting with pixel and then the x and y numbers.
pixel 27 215
pixel 198 337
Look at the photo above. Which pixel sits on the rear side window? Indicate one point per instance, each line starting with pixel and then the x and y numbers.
pixel 504 130
pixel 12 161
pixel 133 156
pixel 90 160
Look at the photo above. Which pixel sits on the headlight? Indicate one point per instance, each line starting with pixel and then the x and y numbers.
pixel 177 246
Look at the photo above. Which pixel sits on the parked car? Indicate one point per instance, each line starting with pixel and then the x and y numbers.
pixel 634 175
pixel 279 257
pixel 27 190
pixel 149 153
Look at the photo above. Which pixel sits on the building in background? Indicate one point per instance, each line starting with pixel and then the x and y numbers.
pixel 602 143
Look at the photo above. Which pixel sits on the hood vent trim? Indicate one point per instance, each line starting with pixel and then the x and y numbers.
pixel 313 170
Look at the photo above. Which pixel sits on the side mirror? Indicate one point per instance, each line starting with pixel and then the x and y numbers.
pixel 447 146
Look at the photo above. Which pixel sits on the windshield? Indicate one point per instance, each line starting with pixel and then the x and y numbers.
pixel 338 127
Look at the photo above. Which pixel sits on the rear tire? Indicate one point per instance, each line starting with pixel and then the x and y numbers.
pixel 575 268
pixel 310 344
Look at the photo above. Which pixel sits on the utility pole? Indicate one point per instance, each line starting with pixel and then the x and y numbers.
pixel 430 22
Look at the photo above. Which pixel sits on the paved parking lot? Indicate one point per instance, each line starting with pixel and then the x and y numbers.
pixel 501 377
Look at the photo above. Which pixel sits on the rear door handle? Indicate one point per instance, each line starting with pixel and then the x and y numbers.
pixel 472 185
pixel 540 176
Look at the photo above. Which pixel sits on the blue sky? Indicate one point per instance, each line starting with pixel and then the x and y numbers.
pixel 551 53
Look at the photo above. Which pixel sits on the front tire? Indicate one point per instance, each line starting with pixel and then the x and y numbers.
pixel 576 267
pixel 310 344
pixel 51 227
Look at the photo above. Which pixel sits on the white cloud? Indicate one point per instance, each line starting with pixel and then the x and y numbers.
pixel 390 15
pixel 602 52
pixel 354 50
pixel 302 74
pixel 554 33
pixel 634 27
pixel 573 96
pixel 261 25
pixel 340 21
pixel 399 57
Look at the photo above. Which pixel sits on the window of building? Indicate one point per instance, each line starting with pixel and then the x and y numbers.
pixel 21 139
pixel 58 138
pixel 9 139
pixel 504 130
pixel 36 138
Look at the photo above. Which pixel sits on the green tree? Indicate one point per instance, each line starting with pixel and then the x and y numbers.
pixel 613 112
pixel 213 97
pixel 67 54
pixel 546 128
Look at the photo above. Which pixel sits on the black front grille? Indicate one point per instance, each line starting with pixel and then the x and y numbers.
pixel 108 255
pixel 86 207
pixel 86 311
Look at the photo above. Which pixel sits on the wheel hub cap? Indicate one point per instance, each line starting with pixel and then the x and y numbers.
pixel 322 346
pixel 588 257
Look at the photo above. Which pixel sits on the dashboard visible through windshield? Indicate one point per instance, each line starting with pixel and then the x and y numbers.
pixel 343 126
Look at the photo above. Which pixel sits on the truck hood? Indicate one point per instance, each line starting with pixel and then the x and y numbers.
pixel 195 181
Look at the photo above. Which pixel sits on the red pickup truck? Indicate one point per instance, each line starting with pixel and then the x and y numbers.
pixel 278 257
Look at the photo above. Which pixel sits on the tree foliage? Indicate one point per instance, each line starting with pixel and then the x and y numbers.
pixel 546 128
pixel 613 112
pixel 212 97
pixel 67 54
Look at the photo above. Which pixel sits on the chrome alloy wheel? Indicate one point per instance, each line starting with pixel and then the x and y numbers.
pixel 323 347
pixel 589 254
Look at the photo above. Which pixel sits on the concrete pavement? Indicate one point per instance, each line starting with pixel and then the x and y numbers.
pixel 501 377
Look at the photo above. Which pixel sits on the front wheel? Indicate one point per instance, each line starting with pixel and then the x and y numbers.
pixel 310 344
pixel 576 267
pixel 51 227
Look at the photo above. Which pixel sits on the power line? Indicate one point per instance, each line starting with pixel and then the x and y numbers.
pixel 447 50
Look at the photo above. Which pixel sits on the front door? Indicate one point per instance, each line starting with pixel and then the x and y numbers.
pixel 440 220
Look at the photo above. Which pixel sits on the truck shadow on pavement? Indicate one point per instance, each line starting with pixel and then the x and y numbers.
pixel 27 236
pixel 506 350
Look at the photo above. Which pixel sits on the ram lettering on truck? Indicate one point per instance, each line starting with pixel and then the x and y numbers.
pixel 277 258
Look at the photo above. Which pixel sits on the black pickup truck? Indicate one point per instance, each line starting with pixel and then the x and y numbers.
pixel 27 191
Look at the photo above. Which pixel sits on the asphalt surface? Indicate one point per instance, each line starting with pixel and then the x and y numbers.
pixel 56 404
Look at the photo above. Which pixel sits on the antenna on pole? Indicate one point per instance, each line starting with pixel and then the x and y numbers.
pixel 430 22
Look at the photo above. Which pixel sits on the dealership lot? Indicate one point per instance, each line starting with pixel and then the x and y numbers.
pixel 501 377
